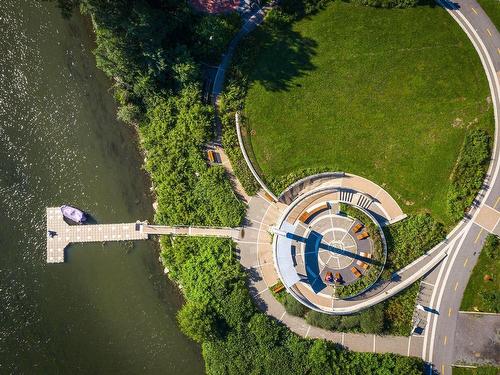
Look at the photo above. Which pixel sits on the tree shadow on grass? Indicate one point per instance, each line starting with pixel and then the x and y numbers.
pixel 284 55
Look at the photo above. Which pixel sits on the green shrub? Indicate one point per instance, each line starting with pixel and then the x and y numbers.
pixel 491 300
pixel 372 320
pixel 398 311
pixel 491 246
pixel 389 3
pixel 228 105
pixel 349 322
pixel 322 320
pixel 468 174
pixel 409 239
pixel 294 307
pixel 301 8
pixel 197 321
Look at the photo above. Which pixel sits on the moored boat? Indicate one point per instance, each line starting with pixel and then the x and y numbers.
pixel 74 214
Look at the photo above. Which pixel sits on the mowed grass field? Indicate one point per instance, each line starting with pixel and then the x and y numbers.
pixel 385 94
pixel 472 299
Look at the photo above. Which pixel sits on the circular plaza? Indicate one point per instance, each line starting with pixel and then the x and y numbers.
pixel 327 248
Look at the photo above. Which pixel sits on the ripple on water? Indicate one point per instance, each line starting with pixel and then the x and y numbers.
pixel 35 129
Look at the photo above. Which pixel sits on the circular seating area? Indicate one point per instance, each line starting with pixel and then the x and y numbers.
pixel 318 248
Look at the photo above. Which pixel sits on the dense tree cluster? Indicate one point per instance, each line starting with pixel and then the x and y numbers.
pixel 237 339
pixel 153 51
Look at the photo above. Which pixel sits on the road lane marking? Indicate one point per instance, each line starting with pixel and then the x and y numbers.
pixel 445 340
pixel 498 199
pixel 475 11
pixel 431 318
pixel 489 32
pixel 494 82
pixel 478 235
pixel 409 345
pixel 374 343
pixel 308 329
pixel 449 311
pixel 466 260
pixel 442 369
pixel 456 286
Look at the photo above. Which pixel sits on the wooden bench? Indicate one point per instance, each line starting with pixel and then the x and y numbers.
pixel 306 215
pixel 268 198
pixel 211 156
pixel 362 264
pixel 355 272
pixel 357 227
pixel 278 287
pixel 365 255
pixel 363 235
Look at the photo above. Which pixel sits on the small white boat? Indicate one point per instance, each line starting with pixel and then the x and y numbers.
pixel 74 214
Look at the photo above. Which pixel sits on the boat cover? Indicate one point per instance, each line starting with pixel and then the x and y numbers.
pixel 73 213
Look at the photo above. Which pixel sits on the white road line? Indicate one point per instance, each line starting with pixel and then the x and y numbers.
pixel 409 345
pixel 443 287
pixel 430 316
pixel 307 333
pixel 343 337
pixel 374 343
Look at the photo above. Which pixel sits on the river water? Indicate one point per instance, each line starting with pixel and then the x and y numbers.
pixel 108 309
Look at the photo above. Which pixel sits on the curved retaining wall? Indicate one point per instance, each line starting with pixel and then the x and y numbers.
pixel 247 159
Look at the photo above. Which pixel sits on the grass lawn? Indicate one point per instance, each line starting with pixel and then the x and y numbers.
pixel 492 9
pixel 473 299
pixel 482 370
pixel 385 94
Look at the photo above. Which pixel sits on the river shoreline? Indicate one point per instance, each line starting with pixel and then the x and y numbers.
pixel 107 308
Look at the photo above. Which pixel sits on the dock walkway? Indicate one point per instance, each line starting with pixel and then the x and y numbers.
pixel 65 234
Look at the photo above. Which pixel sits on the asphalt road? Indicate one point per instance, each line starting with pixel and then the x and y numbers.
pixel 446 283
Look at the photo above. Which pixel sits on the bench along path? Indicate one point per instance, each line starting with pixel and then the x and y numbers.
pixel 65 234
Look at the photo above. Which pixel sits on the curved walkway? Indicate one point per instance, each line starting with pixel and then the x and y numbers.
pixel 256 255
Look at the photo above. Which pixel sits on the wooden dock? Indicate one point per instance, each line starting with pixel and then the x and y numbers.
pixel 64 234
